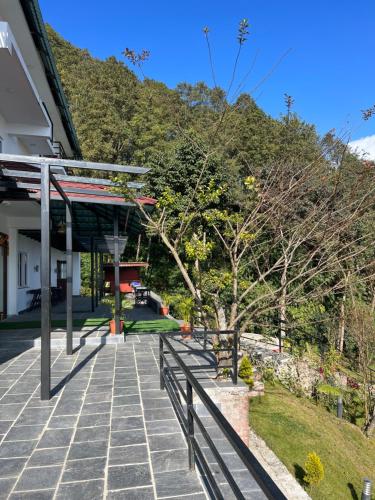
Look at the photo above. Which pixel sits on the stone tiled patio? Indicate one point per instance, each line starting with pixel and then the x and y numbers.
pixel 108 432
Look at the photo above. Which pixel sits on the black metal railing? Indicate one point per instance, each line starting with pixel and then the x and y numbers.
pixel 172 364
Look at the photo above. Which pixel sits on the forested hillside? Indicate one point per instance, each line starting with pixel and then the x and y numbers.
pixel 261 224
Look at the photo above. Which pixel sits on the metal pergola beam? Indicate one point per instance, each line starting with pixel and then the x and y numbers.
pixel 91 200
pixel 70 178
pixel 58 162
pixel 59 189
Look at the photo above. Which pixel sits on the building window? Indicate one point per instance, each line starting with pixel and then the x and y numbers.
pixel 22 269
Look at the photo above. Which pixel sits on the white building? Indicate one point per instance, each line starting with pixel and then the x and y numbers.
pixel 34 121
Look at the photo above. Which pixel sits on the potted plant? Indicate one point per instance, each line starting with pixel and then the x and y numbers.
pixel 110 301
pixel 185 307
pixel 166 301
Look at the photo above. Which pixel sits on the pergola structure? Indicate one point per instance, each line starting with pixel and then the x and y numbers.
pixel 91 211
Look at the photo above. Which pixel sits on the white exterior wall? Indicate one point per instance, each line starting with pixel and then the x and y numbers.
pixel 32 250
pixel 18 298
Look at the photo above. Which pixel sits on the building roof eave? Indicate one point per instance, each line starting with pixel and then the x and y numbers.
pixel 34 19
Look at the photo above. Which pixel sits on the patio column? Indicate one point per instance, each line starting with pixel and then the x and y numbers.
pixel 45 379
pixel 117 271
pixel 96 278
pixel 92 274
pixel 101 275
pixel 69 281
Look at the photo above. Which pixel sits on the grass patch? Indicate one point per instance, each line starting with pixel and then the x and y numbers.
pixel 57 323
pixel 157 325
pixel 292 427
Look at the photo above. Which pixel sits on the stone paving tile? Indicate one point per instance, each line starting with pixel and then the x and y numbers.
pixel 56 438
pixel 160 442
pixel 33 495
pixel 6 485
pixel 21 432
pixel 86 469
pixel 12 449
pixel 132 494
pixel 91 449
pixel 99 433
pixel 128 476
pixel 170 483
pixel 123 438
pixel 93 490
pixel 133 454
pixel 54 456
pixel 11 467
pixel 38 478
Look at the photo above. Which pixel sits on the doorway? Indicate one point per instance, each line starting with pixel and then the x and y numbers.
pixel 3 275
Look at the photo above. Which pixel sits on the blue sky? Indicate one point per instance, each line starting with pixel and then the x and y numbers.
pixel 329 71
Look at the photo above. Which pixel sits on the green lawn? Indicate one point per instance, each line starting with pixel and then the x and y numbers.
pixel 292 427
pixel 59 323
pixel 158 325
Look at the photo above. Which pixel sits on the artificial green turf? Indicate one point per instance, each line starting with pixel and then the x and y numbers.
pixel 56 323
pixel 293 427
pixel 157 325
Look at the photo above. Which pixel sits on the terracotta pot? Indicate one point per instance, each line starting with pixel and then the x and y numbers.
pixel 164 311
pixel 186 330
pixel 112 326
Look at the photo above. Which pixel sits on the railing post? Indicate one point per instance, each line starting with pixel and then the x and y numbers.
pixel 235 357
pixel 205 339
pixel 190 424
pixel 161 362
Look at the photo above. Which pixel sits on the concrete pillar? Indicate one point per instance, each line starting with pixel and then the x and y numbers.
pixel 12 271
pixel 233 402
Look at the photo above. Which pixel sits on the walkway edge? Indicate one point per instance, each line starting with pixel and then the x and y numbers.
pixel 276 469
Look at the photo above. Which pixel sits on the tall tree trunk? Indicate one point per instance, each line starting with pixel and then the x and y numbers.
pixel 373 301
pixel 282 306
pixel 342 316
pixel 342 324
pixel 234 305
pixel 370 429
pixel 138 247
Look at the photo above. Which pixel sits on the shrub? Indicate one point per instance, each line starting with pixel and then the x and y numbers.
pixel 246 371
pixel 314 470
pixel 268 374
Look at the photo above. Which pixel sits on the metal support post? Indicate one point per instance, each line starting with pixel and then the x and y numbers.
pixel 45 382
pixel 235 357
pixel 69 281
pixel 161 362
pixel 117 272
pixel 92 284
pixel 190 424
pixel 96 278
